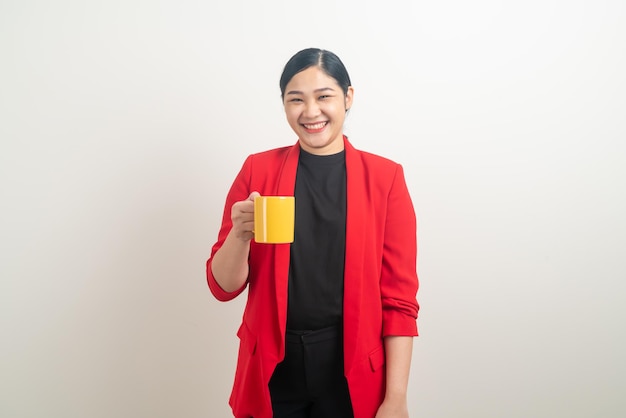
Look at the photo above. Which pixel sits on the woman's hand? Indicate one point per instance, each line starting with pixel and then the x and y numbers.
pixel 393 408
pixel 230 263
pixel 242 216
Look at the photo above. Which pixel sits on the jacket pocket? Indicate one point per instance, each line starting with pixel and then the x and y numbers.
pixel 247 338
pixel 377 358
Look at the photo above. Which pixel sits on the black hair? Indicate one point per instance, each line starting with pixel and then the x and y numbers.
pixel 315 57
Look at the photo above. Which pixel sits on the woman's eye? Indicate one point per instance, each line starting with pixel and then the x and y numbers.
pixel 324 97
pixel 295 99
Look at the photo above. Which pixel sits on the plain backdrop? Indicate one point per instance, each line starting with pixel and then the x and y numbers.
pixel 123 124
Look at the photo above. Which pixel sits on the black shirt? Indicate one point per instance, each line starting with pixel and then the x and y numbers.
pixel 318 251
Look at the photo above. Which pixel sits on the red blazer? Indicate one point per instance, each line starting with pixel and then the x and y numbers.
pixel 380 282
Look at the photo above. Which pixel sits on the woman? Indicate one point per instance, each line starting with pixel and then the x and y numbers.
pixel 329 322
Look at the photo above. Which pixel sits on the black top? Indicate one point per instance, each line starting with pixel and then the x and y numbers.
pixel 318 251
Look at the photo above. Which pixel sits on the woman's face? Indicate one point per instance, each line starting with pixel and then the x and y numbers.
pixel 315 106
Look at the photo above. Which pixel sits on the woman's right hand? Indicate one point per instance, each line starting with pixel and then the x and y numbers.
pixel 242 216
pixel 230 263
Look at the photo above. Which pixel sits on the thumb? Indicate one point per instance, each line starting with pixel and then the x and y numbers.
pixel 253 195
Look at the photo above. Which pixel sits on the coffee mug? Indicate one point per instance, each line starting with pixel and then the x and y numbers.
pixel 274 219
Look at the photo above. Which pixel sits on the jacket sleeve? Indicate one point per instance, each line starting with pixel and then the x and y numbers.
pixel 399 282
pixel 240 190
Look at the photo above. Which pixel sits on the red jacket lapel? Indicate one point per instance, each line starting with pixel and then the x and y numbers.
pixel 355 241
pixel 285 187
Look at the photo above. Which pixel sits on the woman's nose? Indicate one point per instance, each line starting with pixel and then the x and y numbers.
pixel 311 110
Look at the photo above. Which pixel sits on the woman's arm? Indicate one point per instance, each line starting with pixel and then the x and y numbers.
pixel 399 285
pixel 398 352
pixel 227 267
pixel 230 263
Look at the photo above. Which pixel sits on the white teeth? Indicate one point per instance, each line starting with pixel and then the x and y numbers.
pixel 316 126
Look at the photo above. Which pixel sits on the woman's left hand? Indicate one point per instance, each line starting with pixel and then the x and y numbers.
pixel 393 409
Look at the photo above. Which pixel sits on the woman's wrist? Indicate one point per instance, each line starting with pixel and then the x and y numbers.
pixel 396 395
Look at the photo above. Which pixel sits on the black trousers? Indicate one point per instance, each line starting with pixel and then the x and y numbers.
pixel 309 382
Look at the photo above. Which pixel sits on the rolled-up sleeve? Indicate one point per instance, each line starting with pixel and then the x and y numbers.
pixel 399 281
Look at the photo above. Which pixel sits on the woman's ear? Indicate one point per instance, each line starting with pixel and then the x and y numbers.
pixel 349 98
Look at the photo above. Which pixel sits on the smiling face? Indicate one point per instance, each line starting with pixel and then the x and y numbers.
pixel 315 106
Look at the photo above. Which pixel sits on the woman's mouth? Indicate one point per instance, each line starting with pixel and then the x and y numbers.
pixel 313 128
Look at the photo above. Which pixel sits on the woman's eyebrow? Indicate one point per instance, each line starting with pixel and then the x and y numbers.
pixel 315 91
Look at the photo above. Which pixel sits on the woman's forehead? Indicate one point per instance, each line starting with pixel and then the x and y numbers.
pixel 312 79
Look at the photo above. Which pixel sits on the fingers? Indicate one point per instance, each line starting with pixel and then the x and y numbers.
pixel 246 206
pixel 242 216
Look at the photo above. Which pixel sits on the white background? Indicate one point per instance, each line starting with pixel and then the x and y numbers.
pixel 123 124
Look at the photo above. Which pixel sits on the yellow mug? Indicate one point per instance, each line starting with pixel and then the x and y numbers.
pixel 274 219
